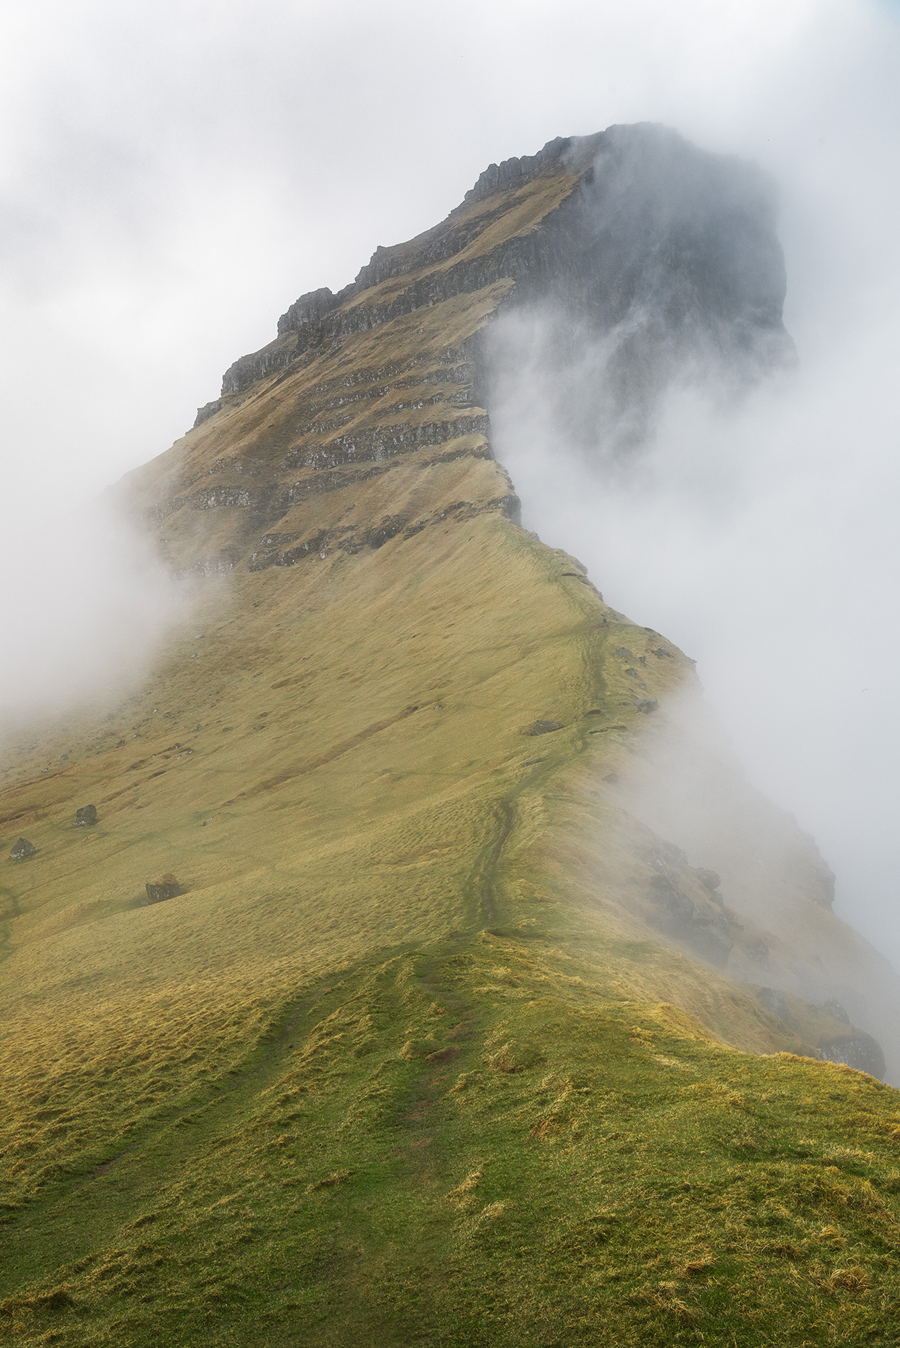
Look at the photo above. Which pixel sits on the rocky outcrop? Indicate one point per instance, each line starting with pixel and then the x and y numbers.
pixel 350 540
pixel 666 249
pixel 307 311
pixel 545 727
pixel 383 442
pixel 208 410
pixel 166 887
pixel 858 1050
pixel 573 150
pixel 248 369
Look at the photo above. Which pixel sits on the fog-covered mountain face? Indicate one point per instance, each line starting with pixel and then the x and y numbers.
pixel 665 271
pixel 739 496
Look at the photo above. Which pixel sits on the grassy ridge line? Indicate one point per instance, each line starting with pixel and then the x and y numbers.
pixel 391 845
pixel 475 1143
pixel 111 1010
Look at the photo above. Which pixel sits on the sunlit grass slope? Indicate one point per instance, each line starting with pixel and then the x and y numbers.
pixel 419 1054
pixel 401 1064
pixel 476 1143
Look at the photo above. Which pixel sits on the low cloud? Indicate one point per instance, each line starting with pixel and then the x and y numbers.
pixel 87 604
pixel 759 532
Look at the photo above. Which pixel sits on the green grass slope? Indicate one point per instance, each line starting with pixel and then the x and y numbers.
pixel 479 1142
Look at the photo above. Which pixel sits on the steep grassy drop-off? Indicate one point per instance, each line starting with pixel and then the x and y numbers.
pixel 449 1037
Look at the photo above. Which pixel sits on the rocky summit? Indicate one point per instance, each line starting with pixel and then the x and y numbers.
pixel 490 1005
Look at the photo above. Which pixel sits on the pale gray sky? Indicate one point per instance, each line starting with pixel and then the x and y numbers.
pixel 173 175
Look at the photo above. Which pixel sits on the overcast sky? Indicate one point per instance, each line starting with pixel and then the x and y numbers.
pixel 173 175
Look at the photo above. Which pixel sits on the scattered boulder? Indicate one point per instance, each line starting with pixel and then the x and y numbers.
pixel 22 849
pixel 544 727
pixel 166 887
pixel 709 934
pixel 85 815
pixel 709 880
pixel 858 1050
pixel 776 1002
pixel 675 908
pixel 647 704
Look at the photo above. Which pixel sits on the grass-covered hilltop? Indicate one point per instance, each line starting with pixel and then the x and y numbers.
pixel 491 1007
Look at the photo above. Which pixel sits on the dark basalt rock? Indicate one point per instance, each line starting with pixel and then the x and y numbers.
pixel 857 1050
pixel 85 815
pixel 310 308
pixel 774 1001
pixel 166 887
pixel 208 410
pixel 711 939
pixel 647 704
pixel 707 933
pixel 384 442
pixel 664 250
pixel 22 849
pixel 350 540
pixel 247 369
pixel 676 909
pixel 709 880
pixel 516 171
pixel 545 727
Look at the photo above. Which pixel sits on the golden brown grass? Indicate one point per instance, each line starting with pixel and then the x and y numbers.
pixel 470 1144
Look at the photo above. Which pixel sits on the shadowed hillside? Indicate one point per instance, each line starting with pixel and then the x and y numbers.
pixel 452 1034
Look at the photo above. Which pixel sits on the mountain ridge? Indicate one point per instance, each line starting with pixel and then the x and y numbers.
pixel 435 930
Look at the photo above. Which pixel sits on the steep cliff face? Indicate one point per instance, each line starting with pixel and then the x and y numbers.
pixel 633 235
pixel 449 849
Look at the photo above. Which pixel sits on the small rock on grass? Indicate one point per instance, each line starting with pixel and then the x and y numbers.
pixel 166 887
pixel 544 727
pixel 22 849
pixel 85 815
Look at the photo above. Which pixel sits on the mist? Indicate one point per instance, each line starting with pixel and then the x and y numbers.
pixel 755 526
pixel 173 176
pixel 88 610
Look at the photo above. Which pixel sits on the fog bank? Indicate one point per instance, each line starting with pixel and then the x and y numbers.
pixel 760 534
pixel 89 607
